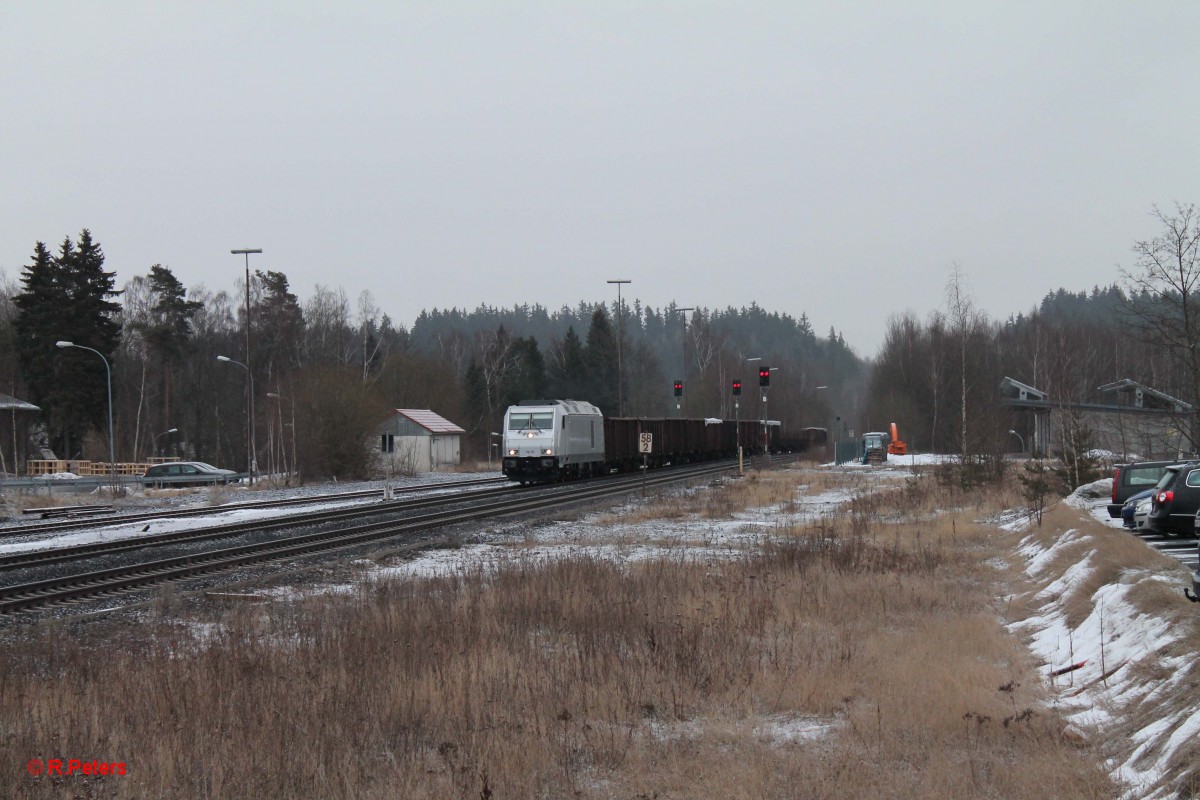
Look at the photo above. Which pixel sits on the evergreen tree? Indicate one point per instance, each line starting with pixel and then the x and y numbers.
pixel 68 298
pixel 527 377
pixel 568 374
pixel 600 358
pixel 278 326
pixel 170 329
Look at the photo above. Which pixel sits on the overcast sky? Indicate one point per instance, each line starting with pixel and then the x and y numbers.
pixel 833 159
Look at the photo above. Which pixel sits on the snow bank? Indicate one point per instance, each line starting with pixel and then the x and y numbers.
pixel 1111 643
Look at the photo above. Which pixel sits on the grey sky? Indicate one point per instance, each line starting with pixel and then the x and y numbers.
pixel 827 158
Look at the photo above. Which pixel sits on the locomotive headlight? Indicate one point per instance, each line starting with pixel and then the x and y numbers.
pixel 530 434
pixel 549 451
pixel 512 452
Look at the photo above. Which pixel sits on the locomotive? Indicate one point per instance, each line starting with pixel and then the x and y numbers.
pixel 549 440
pixel 553 439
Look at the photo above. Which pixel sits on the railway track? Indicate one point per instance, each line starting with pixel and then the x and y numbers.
pixel 101 583
pixel 24 529
pixel 58 555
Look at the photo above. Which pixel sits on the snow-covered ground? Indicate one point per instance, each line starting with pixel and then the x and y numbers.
pixel 1117 644
pixel 101 530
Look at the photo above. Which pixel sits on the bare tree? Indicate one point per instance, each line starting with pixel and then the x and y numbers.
pixel 1162 288
pixel 963 318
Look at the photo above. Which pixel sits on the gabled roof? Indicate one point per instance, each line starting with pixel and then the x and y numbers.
pixel 1143 396
pixel 429 420
pixel 1011 387
pixel 10 403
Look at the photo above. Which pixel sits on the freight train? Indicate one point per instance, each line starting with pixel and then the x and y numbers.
pixel 549 440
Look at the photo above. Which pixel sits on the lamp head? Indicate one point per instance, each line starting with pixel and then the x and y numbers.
pixel 64 344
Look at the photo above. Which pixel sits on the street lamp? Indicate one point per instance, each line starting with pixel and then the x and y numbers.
pixel 112 459
pixel 250 465
pixel 620 335
pixel 246 252
pixel 683 398
pixel 275 396
pixel 1021 438
pixel 160 435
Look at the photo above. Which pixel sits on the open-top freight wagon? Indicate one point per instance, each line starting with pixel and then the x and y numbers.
pixel 547 440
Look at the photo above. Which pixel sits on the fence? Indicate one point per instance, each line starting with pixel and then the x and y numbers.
pixel 35 467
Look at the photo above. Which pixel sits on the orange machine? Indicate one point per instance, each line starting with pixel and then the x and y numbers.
pixel 897 447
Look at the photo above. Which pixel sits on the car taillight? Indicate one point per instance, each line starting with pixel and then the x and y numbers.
pixel 1164 497
pixel 1116 483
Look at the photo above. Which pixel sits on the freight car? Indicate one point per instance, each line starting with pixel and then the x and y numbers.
pixel 547 440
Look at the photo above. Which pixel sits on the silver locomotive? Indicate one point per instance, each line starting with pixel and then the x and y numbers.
pixel 553 439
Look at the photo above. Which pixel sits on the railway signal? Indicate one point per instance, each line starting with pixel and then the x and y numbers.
pixel 737 388
pixel 764 376
pixel 679 388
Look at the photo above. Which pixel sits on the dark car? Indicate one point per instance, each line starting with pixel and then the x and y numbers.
pixel 1129 479
pixel 187 473
pixel 1129 511
pixel 1176 500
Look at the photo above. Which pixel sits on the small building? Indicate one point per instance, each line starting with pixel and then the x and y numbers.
pixel 15 418
pixel 413 440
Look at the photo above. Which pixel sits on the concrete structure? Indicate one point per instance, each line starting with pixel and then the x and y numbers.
pixel 413 440
pixel 1132 420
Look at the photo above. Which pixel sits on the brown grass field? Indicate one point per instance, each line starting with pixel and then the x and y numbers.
pixel 861 655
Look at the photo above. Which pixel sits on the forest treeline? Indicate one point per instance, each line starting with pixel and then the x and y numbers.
pixel 326 370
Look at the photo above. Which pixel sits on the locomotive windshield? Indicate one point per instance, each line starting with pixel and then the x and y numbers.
pixel 528 420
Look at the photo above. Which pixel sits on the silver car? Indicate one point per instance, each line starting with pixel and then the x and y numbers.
pixel 187 473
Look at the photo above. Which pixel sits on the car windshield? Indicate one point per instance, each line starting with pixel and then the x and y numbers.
pixel 203 466
pixel 525 420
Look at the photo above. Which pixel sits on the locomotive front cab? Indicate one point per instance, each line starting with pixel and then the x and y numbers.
pixel 529 443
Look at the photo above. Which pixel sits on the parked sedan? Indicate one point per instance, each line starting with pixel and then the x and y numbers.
pixel 187 473
pixel 1176 500
pixel 1136 509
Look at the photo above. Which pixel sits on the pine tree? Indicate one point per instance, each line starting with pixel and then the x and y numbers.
pixel 600 357
pixel 169 332
pixel 68 298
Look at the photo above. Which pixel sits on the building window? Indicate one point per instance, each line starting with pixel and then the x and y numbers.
pixel 387 443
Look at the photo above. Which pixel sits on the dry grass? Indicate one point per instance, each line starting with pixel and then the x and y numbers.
pixel 576 678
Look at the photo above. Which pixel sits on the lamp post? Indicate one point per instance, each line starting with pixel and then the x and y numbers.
pixel 250 462
pixel 682 404
pixel 1020 438
pixel 160 435
pixel 112 459
pixel 620 335
pixel 246 252
pixel 275 396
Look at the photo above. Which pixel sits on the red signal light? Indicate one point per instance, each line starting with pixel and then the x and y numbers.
pixel 679 388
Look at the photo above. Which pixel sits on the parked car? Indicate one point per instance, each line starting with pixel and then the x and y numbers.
pixel 1176 500
pixel 187 473
pixel 1136 509
pixel 1129 479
